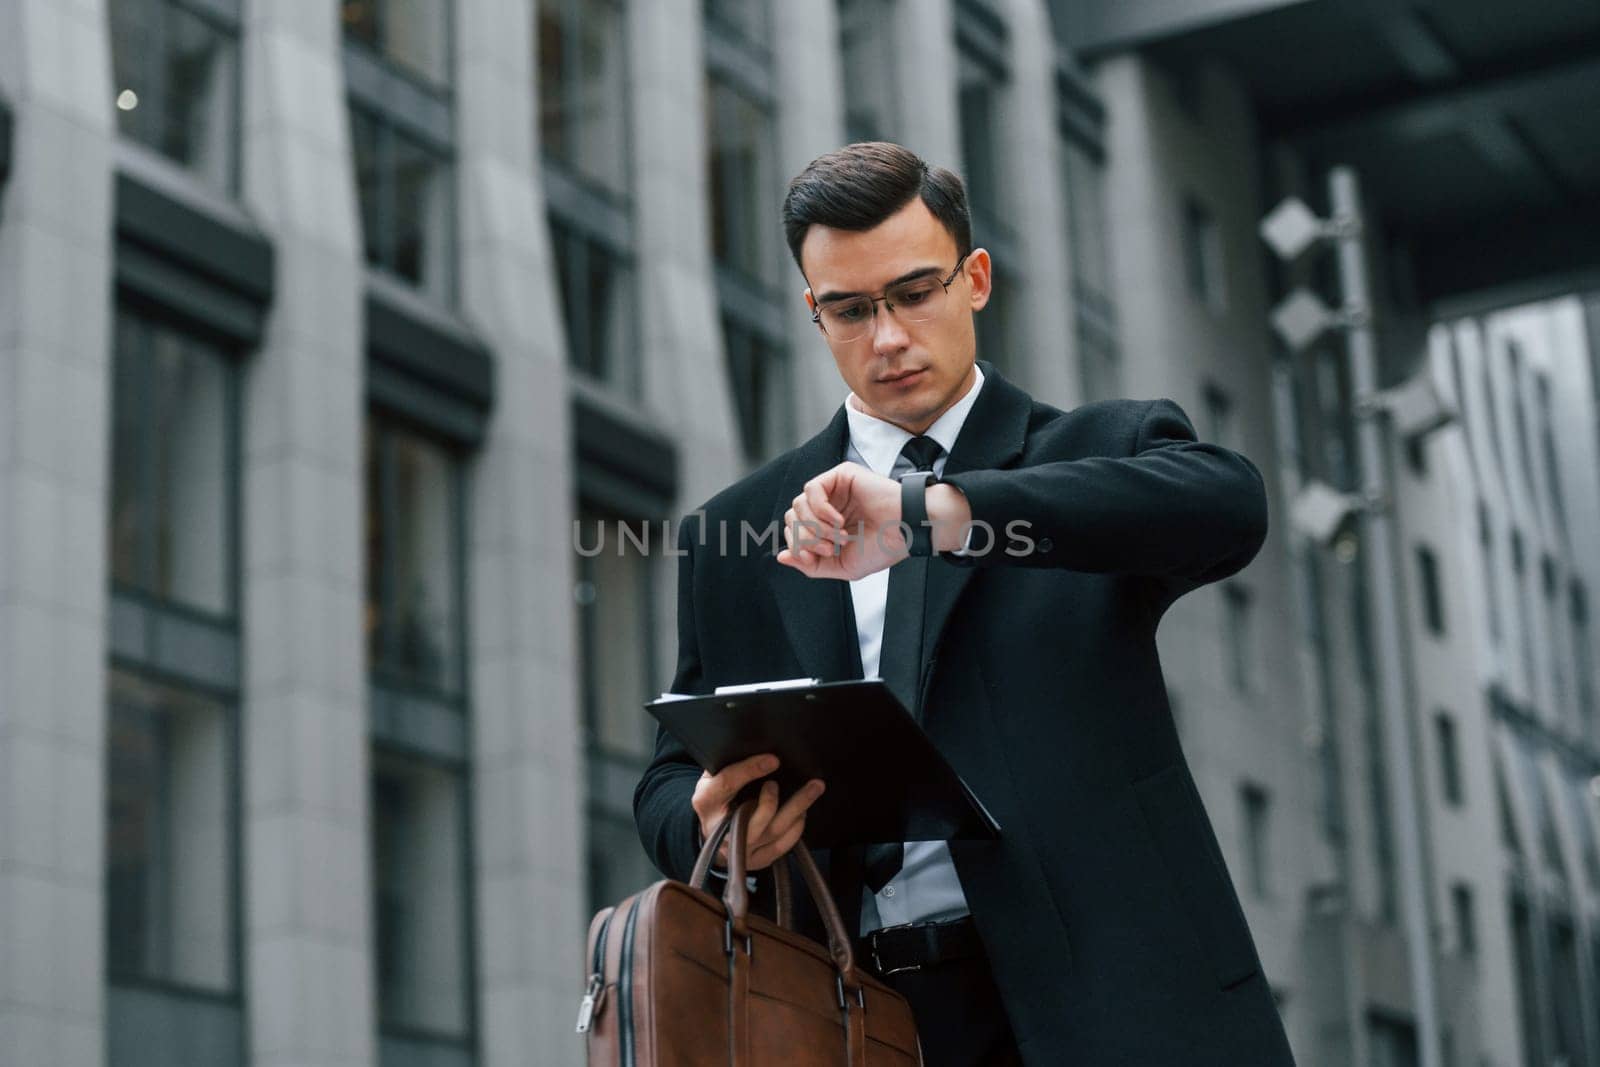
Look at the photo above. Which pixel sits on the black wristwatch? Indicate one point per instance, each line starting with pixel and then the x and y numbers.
pixel 914 510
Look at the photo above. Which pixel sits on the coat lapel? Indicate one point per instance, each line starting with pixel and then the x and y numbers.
pixel 817 613
pixel 990 439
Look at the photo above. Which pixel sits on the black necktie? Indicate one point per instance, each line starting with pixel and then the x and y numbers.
pixel 900 651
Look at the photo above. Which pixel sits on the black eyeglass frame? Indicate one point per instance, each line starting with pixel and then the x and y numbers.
pixel 946 283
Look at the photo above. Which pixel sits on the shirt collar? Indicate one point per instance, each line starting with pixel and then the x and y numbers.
pixel 880 442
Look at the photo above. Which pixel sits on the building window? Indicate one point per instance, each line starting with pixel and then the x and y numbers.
pixel 419 876
pixel 1583 657
pixel 402 131
pixel 1392 1042
pixel 1219 416
pixel 981 99
pixel 414 560
pixel 413 35
pixel 1566 988
pixel 1528 998
pixel 1239 636
pixel 1432 595
pixel 170 841
pixel 982 92
pixel 172 825
pixel 584 134
pixel 583 95
pixel 741 138
pixel 1095 314
pixel 1554 641
pixel 175 72
pixel 1257 839
pixel 420 776
pixel 175 414
pixel 597 300
pixel 1519 571
pixel 1449 757
pixel 1202 255
pixel 1491 582
pixel 1463 909
pixel 870 59
pixel 616 628
pixel 749 21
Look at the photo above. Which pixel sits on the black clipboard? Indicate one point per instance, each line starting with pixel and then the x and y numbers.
pixel 885 780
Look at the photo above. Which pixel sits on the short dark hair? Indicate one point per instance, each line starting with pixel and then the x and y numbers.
pixel 858 186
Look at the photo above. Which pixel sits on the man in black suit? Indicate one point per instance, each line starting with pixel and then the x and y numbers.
pixel 1018 622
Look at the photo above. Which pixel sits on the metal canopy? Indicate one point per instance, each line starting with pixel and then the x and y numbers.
pixel 1475 124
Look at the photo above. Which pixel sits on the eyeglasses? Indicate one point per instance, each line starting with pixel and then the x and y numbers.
pixel 914 300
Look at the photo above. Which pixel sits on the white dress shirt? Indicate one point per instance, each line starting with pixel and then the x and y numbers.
pixel 927 888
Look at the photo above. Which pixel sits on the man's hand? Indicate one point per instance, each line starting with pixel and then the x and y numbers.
pixel 846 523
pixel 773 829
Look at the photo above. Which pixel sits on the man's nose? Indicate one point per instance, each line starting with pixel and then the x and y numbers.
pixel 888 335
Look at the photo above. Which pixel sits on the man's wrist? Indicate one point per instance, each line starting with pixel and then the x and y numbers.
pixel 950 514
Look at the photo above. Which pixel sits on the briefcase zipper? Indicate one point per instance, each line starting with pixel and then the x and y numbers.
pixel 594 993
pixel 625 988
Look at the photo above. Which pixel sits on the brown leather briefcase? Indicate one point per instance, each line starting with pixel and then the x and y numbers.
pixel 679 977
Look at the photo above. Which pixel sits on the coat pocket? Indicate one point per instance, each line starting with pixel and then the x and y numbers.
pixel 1200 882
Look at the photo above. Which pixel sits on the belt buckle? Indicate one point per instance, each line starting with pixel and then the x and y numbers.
pixel 877 964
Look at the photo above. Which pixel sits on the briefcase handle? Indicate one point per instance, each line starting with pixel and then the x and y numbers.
pixel 783 885
pixel 736 895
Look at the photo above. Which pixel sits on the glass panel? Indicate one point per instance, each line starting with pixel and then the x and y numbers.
pixel 979 103
pixel 617 622
pixel 618 865
pixel 412 33
pixel 415 499
pixel 1257 843
pixel 748 19
pixel 360 19
pixel 1086 220
pixel 759 375
pixel 176 79
pixel 419 876
pixel 744 198
pixel 1566 997
pixel 171 466
pixel 130 426
pixel 597 303
pixel 189 399
pixel 1527 981
pixel 364 137
pixel 583 90
pixel 1236 604
pixel 556 69
pixel 423 220
pixel 170 837
pixel 416 35
pixel 869 59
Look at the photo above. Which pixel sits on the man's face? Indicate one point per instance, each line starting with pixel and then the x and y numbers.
pixel 907 373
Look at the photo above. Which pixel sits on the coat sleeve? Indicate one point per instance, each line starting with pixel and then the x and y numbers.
pixel 1179 511
pixel 667 825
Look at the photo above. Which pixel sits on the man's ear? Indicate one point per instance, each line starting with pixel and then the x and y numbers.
pixel 980 271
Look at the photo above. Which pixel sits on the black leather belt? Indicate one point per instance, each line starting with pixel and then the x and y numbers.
pixel 918 946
